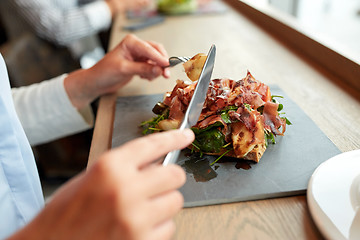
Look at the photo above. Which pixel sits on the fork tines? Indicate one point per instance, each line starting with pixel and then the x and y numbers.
pixel 184 59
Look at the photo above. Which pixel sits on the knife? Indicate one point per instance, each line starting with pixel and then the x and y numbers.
pixel 194 109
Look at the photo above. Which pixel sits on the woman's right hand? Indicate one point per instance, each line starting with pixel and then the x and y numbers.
pixel 124 195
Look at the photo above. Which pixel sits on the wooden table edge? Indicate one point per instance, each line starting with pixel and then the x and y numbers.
pixel 102 136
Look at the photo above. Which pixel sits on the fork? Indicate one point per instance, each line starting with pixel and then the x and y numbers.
pixel 176 60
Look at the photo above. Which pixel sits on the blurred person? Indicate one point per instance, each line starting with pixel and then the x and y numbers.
pixel 74 24
pixel 203 2
pixel 124 195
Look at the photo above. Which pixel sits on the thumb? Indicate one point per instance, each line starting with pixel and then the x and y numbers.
pixel 145 150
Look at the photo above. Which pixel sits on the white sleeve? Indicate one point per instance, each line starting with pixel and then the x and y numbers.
pixel 46 113
pixel 64 25
pixel 98 14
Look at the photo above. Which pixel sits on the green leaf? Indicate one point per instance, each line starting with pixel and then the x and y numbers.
pixel 211 140
pixel 200 130
pixel 154 129
pixel 276 96
pixel 287 121
pixel 269 137
pixel 220 157
pixel 248 106
pixel 229 108
pixel 225 117
pixel 228 145
pixel 224 113
pixel 194 145
pixel 149 126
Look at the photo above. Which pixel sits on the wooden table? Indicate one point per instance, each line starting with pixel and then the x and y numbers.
pixel 243 45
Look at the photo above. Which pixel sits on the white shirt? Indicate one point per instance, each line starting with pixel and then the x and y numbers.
pixel 70 23
pixel 46 112
pixel 21 196
pixel 59 21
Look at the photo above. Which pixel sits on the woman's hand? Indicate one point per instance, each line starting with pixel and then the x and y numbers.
pixel 124 195
pixel 132 56
pixel 118 6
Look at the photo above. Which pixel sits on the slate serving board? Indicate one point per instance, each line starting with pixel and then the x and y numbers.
pixel 284 169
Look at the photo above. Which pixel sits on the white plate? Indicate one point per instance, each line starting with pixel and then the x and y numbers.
pixel 333 195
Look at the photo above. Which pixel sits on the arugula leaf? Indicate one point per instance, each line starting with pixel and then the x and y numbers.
pixel 228 146
pixel 211 140
pixel 197 147
pixel 200 130
pixel 224 113
pixel 276 96
pixel 225 117
pixel 287 121
pixel 280 107
pixel 220 157
pixel 269 137
pixel 150 126
pixel 248 106
pixel 228 108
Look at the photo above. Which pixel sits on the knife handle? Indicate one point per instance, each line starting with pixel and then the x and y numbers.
pixel 171 157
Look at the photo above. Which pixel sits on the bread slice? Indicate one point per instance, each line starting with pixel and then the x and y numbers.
pixel 254 155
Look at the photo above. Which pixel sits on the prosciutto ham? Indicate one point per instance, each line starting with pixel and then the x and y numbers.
pixel 226 92
pixel 242 110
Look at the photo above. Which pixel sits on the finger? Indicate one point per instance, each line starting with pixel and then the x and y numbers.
pixel 164 207
pixel 159 47
pixel 166 73
pixel 142 49
pixel 157 180
pixel 145 70
pixel 140 4
pixel 150 148
pixel 156 71
pixel 163 231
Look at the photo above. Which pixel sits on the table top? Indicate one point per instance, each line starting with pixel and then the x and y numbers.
pixel 242 45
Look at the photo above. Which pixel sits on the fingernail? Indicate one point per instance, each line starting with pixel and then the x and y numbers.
pixel 188 133
pixel 167 72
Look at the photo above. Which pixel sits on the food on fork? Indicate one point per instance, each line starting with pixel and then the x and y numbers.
pixel 194 66
pixel 238 118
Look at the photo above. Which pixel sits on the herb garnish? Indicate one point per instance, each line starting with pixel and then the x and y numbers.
pixel 220 157
pixel 224 113
pixel 248 106
pixel 280 107
pixel 269 137
pixel 150 126
pixel 197 147
pixel 211 140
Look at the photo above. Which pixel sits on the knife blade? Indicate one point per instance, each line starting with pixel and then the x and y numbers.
pixel 194 109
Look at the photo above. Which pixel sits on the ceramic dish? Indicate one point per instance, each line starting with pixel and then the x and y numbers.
pixel 334 196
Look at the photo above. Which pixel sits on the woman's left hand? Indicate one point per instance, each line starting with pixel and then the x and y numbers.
pixel 132 56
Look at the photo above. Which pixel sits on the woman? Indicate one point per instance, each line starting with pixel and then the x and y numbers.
pixel 124 195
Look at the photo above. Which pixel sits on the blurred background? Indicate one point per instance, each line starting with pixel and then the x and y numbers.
pixel 335 22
